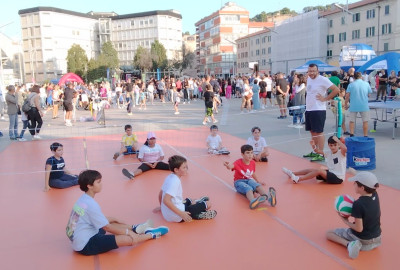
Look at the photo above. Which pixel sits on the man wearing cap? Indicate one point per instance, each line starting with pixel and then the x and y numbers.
pixel 365 232
pixel 151 156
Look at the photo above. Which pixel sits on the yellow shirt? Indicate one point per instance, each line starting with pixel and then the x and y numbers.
pixel 129 140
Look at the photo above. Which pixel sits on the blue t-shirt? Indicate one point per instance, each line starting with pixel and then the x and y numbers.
pixel 57 167
pixel 359 91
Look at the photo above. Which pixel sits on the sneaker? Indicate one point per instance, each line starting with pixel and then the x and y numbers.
pixel 318 158
pixel 116 155
pixel 294 178
pixel 143 227
pixel 272 197
pixel 22 140
pixel 256 201
pixel 264 159
pixel 202 199
pixel 311 155
pixel 210 214
pixel 287 171
pixel 128 174
pixel 157 232
pixel 36 137
pixel 130 113
pixel 176 112
pixel 215 121
pixel 204 123
pixel 292 125
pixel 281 117
pixel 354 248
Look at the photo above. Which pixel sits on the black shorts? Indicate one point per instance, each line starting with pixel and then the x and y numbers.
pixel 99 243
pixel 160 166
pixel 269 94
pixel 331 178
pixel 315 121
pixel 195 209
pixel 68 106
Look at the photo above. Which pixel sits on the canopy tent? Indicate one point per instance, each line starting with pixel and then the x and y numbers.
pixel 70 77
pixel 322 67
pixel 389 61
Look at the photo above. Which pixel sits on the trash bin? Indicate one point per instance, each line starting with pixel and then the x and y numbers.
pixel 361 153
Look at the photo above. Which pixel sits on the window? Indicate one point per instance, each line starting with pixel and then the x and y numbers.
pixel 263 39
pixel 386 28
pixel 356 17
pixel 257 52
pixel 132 23
pixel 386 47
pixel 329 53
pixel 330 23
pixel 269 38
pixel 257 41
pixel 370 31
pixel 387 10
pixel 355 34
pixel 330 39
pixel 343 20
pixel 269 49
pixel 370 14
pixel 342 36
pixel 263 51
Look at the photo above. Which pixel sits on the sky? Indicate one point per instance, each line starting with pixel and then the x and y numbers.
pixel 192 11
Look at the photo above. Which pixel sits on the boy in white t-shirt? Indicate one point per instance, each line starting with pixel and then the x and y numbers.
pixel 335 161
pixel 260 147
pixel 87 225
pixel 173 207
pixel 214 142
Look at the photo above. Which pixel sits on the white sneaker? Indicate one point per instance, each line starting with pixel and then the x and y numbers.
pixel 291 125
pixel 2 118
pixel 298 126
pixel 22 140
pixel 68 124
pixel 176 112
pixel 215 121
pixel 36 137
pixel 287 171
pixel 295 178
pixel 204 123
pixel 354 248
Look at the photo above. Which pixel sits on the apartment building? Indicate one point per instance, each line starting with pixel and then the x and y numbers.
pixel 48 33
pixel 217 35
pixel 189 41
pixel 10 61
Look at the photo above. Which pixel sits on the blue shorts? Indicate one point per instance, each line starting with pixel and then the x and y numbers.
pixel 243 186
pixel 99 243
pixel 129 150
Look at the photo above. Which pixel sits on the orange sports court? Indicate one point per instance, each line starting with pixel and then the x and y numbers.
pixel 289 236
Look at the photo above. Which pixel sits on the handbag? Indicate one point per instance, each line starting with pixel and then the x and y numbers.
pixel 26 107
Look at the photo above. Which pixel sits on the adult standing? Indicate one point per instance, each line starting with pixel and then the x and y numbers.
pixel 316 98
pixel 383 80
pixel 12 111
pixel 69 94
pixel 161 89
pixel 357 93
pixel 282 89
pixel 256 95
pixel 35 114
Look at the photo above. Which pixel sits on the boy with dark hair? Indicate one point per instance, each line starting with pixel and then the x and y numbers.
pixel 87 225
pixel 214 142
pixel 365 232
pixel 246 181
pixel 173 207
pixel 208 102
pixel 335 161
pixel 129 142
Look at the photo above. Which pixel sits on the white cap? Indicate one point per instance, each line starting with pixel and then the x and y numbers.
pixel 366 178
pixel 151 135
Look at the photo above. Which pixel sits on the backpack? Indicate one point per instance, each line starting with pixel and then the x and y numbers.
pixel 26 107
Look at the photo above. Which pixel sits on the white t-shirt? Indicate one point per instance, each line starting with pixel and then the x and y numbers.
pixel 84 222
pixel 258 146
pixel 314 87
pixel 118 89
pixel 150 154
pixel 173 187
pixel 150 88
pixel 269 84
pixel 214 141
pixel 336 163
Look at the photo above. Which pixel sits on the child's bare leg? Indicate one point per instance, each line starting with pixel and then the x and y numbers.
pixel 312 174
pixel 123 150
pixel 332 236
pixel 303 172
pixel 260 190
pixel 131 239
pixel 250 195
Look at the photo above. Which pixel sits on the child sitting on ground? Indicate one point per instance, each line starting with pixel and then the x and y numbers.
pixel 56 176
pixel 246 181
pixel 173 207
pixel 214 142
pixel 128 143
pixel 87 225
pixel 364 233
pixel 335 160
pixel 259 145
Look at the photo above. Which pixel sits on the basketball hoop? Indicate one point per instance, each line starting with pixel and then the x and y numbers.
pixel 349 53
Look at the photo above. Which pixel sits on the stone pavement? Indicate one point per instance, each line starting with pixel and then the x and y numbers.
pixel 279 136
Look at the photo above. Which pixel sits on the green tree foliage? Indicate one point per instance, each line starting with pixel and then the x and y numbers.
pixel 159 55
pixel 77 60
pixel 143 59
pixel 263 16
pixel 320 8
pixel 108 56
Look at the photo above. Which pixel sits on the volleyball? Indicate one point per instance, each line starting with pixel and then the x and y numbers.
pixel 344 205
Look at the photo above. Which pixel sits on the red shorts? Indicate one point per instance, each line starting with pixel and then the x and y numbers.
pixel 263 95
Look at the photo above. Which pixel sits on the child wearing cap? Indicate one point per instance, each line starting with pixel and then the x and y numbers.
pixel 151 156
pixel 364 233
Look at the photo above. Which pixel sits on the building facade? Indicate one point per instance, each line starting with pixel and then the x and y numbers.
pixel 48 33
pixel 11 70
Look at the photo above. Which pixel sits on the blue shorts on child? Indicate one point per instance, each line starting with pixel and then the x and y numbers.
pixel 243 186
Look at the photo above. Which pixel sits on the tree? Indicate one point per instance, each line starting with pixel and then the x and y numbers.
pixel 95 70
pixel 262 17
pixel 142 59
pixel 159 55
pixel 108 56
pixel 320 8
pixel 77 60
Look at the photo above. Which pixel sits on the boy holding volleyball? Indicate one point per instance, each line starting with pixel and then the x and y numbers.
pixel 335 161
pixel 365 232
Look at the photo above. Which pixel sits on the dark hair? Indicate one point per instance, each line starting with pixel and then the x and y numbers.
pixel 246 147
pixel 88 177
pixel 255 81
pixel 313 65
pixel 331 140
pixel 254 128
pixel 334 73
pixel 175 162
pixel 35 88
pixel 357 75
pixel 368 189
pixel 54 146
pixel 213 127
pixel 128 126
pixel 302 79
